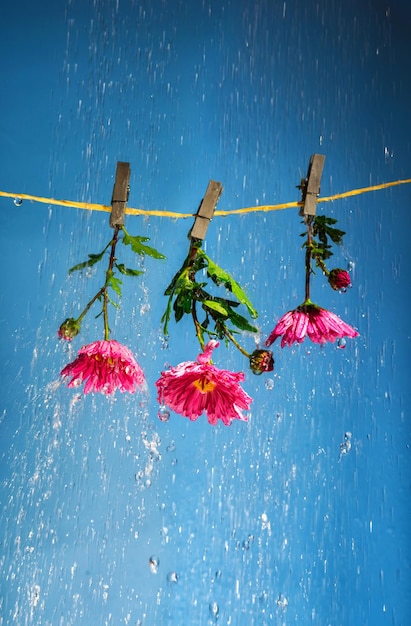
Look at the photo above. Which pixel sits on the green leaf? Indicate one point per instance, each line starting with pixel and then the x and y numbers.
pixel 220 276
pixel 127 271
pixel 183 301
pixel 322 228
pixel 137 245
pixel 215 306
pixel 93 259
pixel 241 322
pixel 165 319
pixel 171 287
pixel 115 304
pixel 335 234
pixel 115 284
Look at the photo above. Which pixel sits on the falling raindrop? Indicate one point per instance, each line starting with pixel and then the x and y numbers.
pixel 18 201
pixel 214 609
pixel 163 413
pixel 172 578
pixel 282 602
pixel 247 542
pixel 345 446
pixel 341 343
pixel 269 384
pixel 154 563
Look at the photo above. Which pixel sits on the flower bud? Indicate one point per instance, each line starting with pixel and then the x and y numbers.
pixel 339 279
pixel 261 361
pixel 70 328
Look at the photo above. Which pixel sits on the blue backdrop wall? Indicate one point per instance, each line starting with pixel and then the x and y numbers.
pixel 109 515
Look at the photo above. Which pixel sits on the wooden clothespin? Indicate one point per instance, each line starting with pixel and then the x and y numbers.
pixel 206 210
pixel 121 192
pixel 310 186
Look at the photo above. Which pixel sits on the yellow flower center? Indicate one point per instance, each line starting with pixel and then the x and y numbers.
pixel 109 360
pixel 204 385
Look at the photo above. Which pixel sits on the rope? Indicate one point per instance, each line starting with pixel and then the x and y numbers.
pixel 253 209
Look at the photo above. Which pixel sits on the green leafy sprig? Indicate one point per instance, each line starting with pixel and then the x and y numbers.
pixel 319 232
pixel 214 316
pixel 72 326
pixel 318 238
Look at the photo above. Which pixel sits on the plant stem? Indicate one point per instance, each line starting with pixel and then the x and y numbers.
pixel 192 255
pixel 109 273
pixel 197 324
pixel 235 342
pixel 90 304
pixel 321 264
pixel 308 248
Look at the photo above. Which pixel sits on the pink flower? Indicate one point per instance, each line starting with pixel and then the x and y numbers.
pixel 309 319
pixel 339 279
pixel 105 366
pixel 193 387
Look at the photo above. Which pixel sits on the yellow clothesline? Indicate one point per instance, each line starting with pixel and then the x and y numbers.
pixel 253 209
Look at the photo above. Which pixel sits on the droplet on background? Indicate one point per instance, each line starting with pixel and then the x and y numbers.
pixel 247 542
pixel 18 201
pixel 172 578
pixel 154 563
pixel 214 609
pixel 163 414
pixel 345 446
pixel 282 602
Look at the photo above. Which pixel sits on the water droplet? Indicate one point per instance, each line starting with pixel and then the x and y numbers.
pixel 282 602
pixel 171 447
pixel 345 446
pixel 247 542
pixel 269 384
pixel 154 563
pixel 163 414
pixel 18 201
pixel 145 308
pixel 214 609
pixel 172 578
pixel 341 343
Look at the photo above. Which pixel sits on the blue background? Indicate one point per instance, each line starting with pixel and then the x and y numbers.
pixel 262 522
